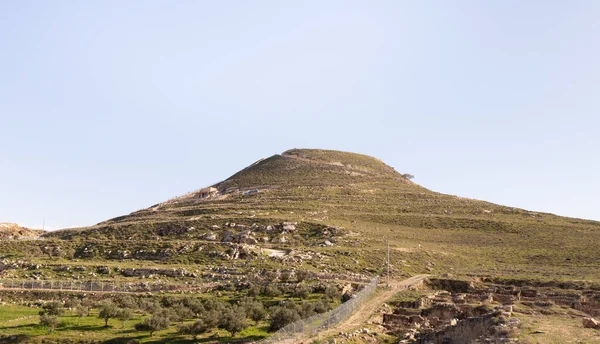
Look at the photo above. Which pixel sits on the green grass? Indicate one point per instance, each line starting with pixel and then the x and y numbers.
pixel 92 328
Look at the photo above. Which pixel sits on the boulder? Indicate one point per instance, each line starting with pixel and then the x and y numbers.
pixel 591 323
pixel 248 240
pixel 289 226
pixel 210 236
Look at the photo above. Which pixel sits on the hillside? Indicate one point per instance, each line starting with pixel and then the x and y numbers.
pixel 369 200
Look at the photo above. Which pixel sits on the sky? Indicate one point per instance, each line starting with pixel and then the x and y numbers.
pixel 107 107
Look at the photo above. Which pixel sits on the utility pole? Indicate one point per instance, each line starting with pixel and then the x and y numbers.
pixel 388 263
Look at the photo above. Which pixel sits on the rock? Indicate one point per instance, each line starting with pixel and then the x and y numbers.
pixel 327 243
pixel 105 270
pixel 591 323
pixel 248 240
pixel 210 236
pixel 289 226
pixel 215 227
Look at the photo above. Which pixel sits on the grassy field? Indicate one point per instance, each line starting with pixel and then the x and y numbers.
pixel 91 328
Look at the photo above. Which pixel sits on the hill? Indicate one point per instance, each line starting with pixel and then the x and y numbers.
pixel 372 203
pixel 305 230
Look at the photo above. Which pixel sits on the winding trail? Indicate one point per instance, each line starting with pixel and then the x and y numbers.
pixel 367 309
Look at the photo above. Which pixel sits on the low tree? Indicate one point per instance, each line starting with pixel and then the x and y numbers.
pixel 52 308
pixel 303 275
pixel 233 320
pixel 124 314
pixel 213 308
pixel 285 275
pixel 49 314
pixel 301 290
pixel 107 311
pixel 281 316
pixel 272 291
pixel 195 329
pixel 49 320
pixel 81 311
pixel 157 322
pixel 331 292
pixel 126 301
pixel 254 309
pixel 149 306
pixel 194 304
pixel 180 312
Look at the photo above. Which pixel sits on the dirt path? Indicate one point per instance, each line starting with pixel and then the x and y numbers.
pixel 364 312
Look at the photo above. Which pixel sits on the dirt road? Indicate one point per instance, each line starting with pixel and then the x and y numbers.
pixel 367 309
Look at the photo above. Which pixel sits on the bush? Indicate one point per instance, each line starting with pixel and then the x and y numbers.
pixel 303 275
pixel 281 316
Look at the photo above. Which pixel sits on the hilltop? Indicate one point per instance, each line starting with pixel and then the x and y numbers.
pixel 12 231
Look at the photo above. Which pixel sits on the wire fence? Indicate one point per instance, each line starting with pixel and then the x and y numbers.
pixel 306 328
pixel 94 286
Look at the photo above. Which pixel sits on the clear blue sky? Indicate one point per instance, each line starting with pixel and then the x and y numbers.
pixel 107 107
